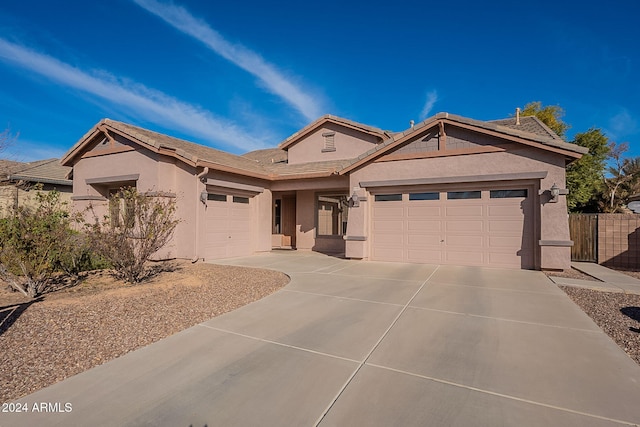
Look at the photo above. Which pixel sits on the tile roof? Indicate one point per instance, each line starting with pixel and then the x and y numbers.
pixel 272 163
pixel 530 124
pixel 48 171
pixel 188 150
pixel 8 166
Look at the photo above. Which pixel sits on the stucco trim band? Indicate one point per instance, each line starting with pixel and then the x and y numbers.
pixel 455 179
pixel 108 179
pixel 234 185
pixel 561 243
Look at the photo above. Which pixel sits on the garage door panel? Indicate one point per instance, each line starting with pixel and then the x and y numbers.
pixel 504 242
pixel 508 211
pixel 464 225
pixel 418 240
pixel 382 212
pixel 465 210
pixel 390 239
pixel 506 226
pixel 387 226
pixel 423 211
pixel 422 225
pixel 464 241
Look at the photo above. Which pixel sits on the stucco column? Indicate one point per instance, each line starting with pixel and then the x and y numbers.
pixel 555 242
pixel 356 238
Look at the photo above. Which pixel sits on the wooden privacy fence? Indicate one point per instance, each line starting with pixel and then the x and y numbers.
pixel 612 240
pixel 583 229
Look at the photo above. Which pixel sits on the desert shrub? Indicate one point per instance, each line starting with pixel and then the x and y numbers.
pixel 31 241
pixel 136 227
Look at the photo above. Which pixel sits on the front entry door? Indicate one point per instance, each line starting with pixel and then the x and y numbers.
pixel 289 221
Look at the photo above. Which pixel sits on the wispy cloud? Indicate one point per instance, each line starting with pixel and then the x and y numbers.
pixel 275 81
pixel 143 102
pixel 621 125
pixel 432 98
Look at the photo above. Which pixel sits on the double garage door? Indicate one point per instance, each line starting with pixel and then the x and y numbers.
pixel 227 226
pixel 466 226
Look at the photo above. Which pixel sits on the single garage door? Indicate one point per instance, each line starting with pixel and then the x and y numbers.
pixel 227 226
pixel 484 226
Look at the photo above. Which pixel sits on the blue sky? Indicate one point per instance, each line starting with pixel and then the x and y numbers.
pixel 245 75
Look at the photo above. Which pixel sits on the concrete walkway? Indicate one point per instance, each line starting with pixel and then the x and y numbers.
pixel 372 344
pixel 610 280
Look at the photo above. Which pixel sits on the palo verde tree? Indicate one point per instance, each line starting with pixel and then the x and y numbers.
pixel 136 227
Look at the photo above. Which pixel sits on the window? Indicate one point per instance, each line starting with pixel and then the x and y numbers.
pixel 329 141
pixel 505 194
pixel 121 209
pixel 277 216
pixel 388 197
pixel 217 197
pixel 333 211
pixel 238 199
pixel 424 196
pixel 457 195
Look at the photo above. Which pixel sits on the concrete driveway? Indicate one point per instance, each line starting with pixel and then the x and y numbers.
pixel 375 344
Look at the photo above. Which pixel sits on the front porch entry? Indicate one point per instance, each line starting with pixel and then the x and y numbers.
pixel 284 221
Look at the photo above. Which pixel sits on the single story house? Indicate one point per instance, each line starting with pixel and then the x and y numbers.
pixel 18 179
pixel 449 190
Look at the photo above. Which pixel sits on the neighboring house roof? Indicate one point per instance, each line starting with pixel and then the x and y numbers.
pixel 530 124
pixel 8 166
pixel 379 133
pixel 272 163
pixel 48 171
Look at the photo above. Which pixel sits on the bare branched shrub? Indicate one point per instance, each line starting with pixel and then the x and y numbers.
pixel 136 227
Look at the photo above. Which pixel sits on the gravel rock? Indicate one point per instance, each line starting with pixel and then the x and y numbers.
pixel 78 328
pixel 617 314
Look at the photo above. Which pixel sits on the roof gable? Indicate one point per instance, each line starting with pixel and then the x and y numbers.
pixel 543 138
pixel 185 151
pixel 329 119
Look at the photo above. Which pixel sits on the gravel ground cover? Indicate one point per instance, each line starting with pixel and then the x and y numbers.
pixel 77 328
pixel 617 314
